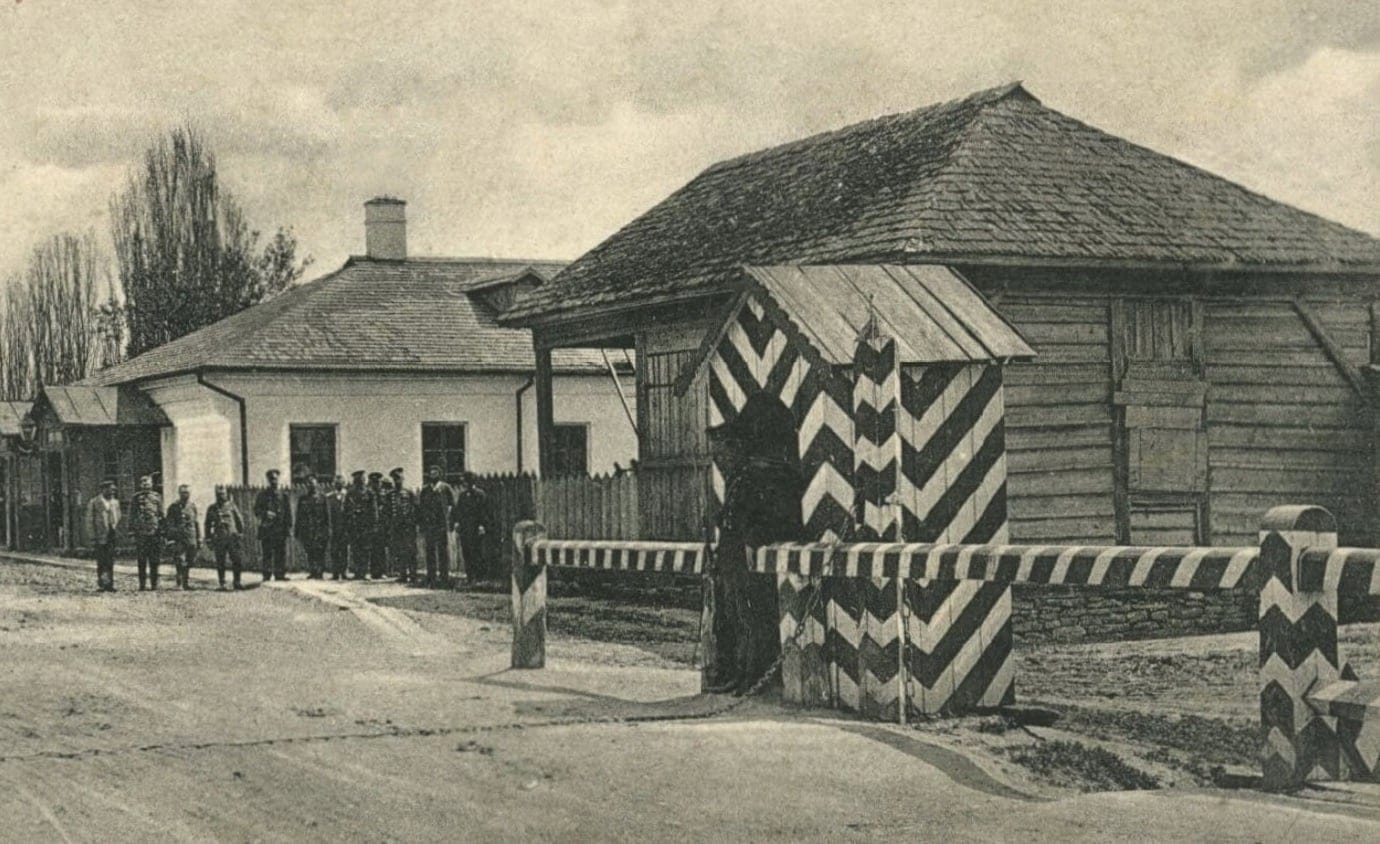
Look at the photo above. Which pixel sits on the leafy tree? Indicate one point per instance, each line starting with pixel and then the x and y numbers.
pixel 50 322
pixel 186 255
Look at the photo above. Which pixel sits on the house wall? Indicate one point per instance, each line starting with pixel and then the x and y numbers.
pixel 378 421
pixel 1283 425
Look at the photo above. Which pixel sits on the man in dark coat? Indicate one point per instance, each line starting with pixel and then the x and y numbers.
pixel 340 534
pixel 433 517
pixel 362 516
pixel 274 513
pixel 471 519
pixel 182 526
pixel 224 533
pixel 402 528
pixel 378 531
pixel 757 454
pixel 146 526
pixel 313 528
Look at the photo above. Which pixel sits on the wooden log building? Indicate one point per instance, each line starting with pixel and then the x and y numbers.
pixel 1201 349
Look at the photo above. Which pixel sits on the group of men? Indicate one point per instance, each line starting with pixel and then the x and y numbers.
pixel 364 529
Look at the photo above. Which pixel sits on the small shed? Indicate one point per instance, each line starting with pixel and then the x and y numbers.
pixel 877 363
pixel 83 434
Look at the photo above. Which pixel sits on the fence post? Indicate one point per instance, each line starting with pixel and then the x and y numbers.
pixel 1298 649
pixel 529 599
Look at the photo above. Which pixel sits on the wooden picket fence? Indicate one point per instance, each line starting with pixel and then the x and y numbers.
pixel 599 507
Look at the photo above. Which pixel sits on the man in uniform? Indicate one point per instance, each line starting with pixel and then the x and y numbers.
pixel 102 522
pixel 433 517
pixel 402 528
pixel 183 528
pixel 340 536
pixel 146 526
pixel 224 532
pixel 757 453
pixel 313 528
pixel 274 512
pixel 361 514
pixel 378 530
pixel 471 517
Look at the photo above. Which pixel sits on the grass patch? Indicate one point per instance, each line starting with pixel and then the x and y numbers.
pixel 1210 740
pixel 1074 764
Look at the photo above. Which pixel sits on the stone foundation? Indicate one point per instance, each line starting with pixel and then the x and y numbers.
pixel 1077 614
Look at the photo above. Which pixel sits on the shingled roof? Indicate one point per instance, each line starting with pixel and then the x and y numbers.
pixel 417 314
pixel 997 175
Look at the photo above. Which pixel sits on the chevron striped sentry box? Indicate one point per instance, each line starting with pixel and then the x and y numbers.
pixel 893 375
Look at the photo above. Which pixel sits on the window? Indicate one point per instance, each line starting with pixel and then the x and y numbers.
pixel 312 450
pixel 571 455
pixel 443 444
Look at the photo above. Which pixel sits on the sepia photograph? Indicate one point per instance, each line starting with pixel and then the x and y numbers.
pixel 719 421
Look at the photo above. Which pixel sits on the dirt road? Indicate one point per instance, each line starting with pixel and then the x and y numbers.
pixel 307 712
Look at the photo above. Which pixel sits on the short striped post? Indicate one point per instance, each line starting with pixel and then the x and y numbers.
pixel 529 598
pixel 1298 650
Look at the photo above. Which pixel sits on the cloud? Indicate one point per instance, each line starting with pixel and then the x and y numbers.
pixel 537 128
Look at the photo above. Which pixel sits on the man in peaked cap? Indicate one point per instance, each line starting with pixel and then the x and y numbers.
pixel 361 514
pixel 182 525
pixel 340 531
pixel 313 527
pixel 146 526
pixel 402 528
pixel 274 513
pixel 103 524
pixel 433 517
pixel 224 532
pixel 378 530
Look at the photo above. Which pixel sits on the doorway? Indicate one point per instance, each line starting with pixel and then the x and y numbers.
pixel 1160 434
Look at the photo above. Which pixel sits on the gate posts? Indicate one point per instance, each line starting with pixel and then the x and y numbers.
pixel 1298 648
pixel 529 599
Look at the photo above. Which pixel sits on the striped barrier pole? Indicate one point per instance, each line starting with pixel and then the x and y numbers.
pixel 529 598
pixel 1298 650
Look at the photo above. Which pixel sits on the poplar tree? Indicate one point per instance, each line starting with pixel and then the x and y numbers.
pixel 186 255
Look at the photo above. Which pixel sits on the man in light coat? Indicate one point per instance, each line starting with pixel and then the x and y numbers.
pixel 103 524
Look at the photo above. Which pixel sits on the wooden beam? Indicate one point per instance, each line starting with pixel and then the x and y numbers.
pixel 546 414
pixel 1330 348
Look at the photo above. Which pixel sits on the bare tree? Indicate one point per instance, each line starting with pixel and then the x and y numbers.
pixel 50 325
pixel 186 256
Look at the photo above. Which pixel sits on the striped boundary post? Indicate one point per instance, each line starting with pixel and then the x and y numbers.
pixel 1298 650
pixel 529 598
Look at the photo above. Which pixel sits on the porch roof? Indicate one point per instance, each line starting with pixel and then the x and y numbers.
pixel 11 414
pixel 932 311
pixel 93 406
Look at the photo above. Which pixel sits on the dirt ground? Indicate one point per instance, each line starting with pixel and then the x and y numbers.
pixel 313 711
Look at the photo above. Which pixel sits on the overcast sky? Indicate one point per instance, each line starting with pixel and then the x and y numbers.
pixel 536 129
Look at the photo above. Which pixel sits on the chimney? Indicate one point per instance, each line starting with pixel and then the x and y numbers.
pixel 385 229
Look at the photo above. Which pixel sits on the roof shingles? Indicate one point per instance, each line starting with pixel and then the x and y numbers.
pixel 997 174
pixel 413 314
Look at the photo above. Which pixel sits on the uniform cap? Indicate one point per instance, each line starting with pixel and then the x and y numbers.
pixel 358 473
pixel 396 473
pixel 272 473
pixel 373 476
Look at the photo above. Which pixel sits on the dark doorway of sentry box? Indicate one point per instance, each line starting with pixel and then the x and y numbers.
pixel 757 455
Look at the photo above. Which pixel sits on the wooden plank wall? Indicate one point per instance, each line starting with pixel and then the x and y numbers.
pixel 1284 426
pixel 1059 420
